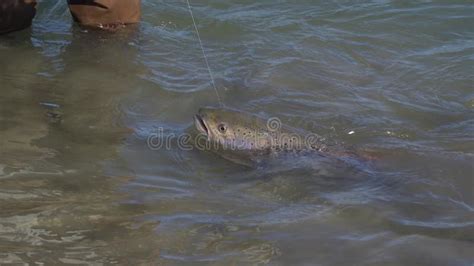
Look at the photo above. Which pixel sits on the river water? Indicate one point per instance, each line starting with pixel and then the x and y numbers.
pixel 79 183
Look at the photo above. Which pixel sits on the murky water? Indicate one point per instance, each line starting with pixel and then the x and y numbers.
pixel 79 184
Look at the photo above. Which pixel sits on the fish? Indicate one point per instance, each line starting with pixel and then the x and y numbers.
pixel 251 140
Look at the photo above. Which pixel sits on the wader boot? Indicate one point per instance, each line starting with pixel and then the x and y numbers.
pixel 16 14
pixel 106 14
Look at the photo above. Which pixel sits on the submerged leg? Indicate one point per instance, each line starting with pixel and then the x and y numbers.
pixel 105 13
pixel 16 14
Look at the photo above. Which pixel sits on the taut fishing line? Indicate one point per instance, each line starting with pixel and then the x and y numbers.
pixel 204 54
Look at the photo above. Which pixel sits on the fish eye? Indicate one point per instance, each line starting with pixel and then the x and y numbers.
pixel 222 128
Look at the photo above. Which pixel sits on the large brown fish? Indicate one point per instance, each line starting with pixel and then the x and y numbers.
pixel 249 139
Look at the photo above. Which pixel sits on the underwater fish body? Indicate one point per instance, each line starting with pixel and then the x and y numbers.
pixel 250 140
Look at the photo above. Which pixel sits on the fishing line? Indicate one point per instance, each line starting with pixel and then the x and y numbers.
pixel 204 54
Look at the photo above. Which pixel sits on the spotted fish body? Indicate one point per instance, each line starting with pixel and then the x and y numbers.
pixel 249 139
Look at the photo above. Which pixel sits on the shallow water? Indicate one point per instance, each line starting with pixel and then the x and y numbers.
pixel 80 185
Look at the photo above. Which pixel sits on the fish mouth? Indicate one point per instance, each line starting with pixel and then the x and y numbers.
pixel 201 125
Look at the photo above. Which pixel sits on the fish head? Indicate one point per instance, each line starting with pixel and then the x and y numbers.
pixel 231 127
